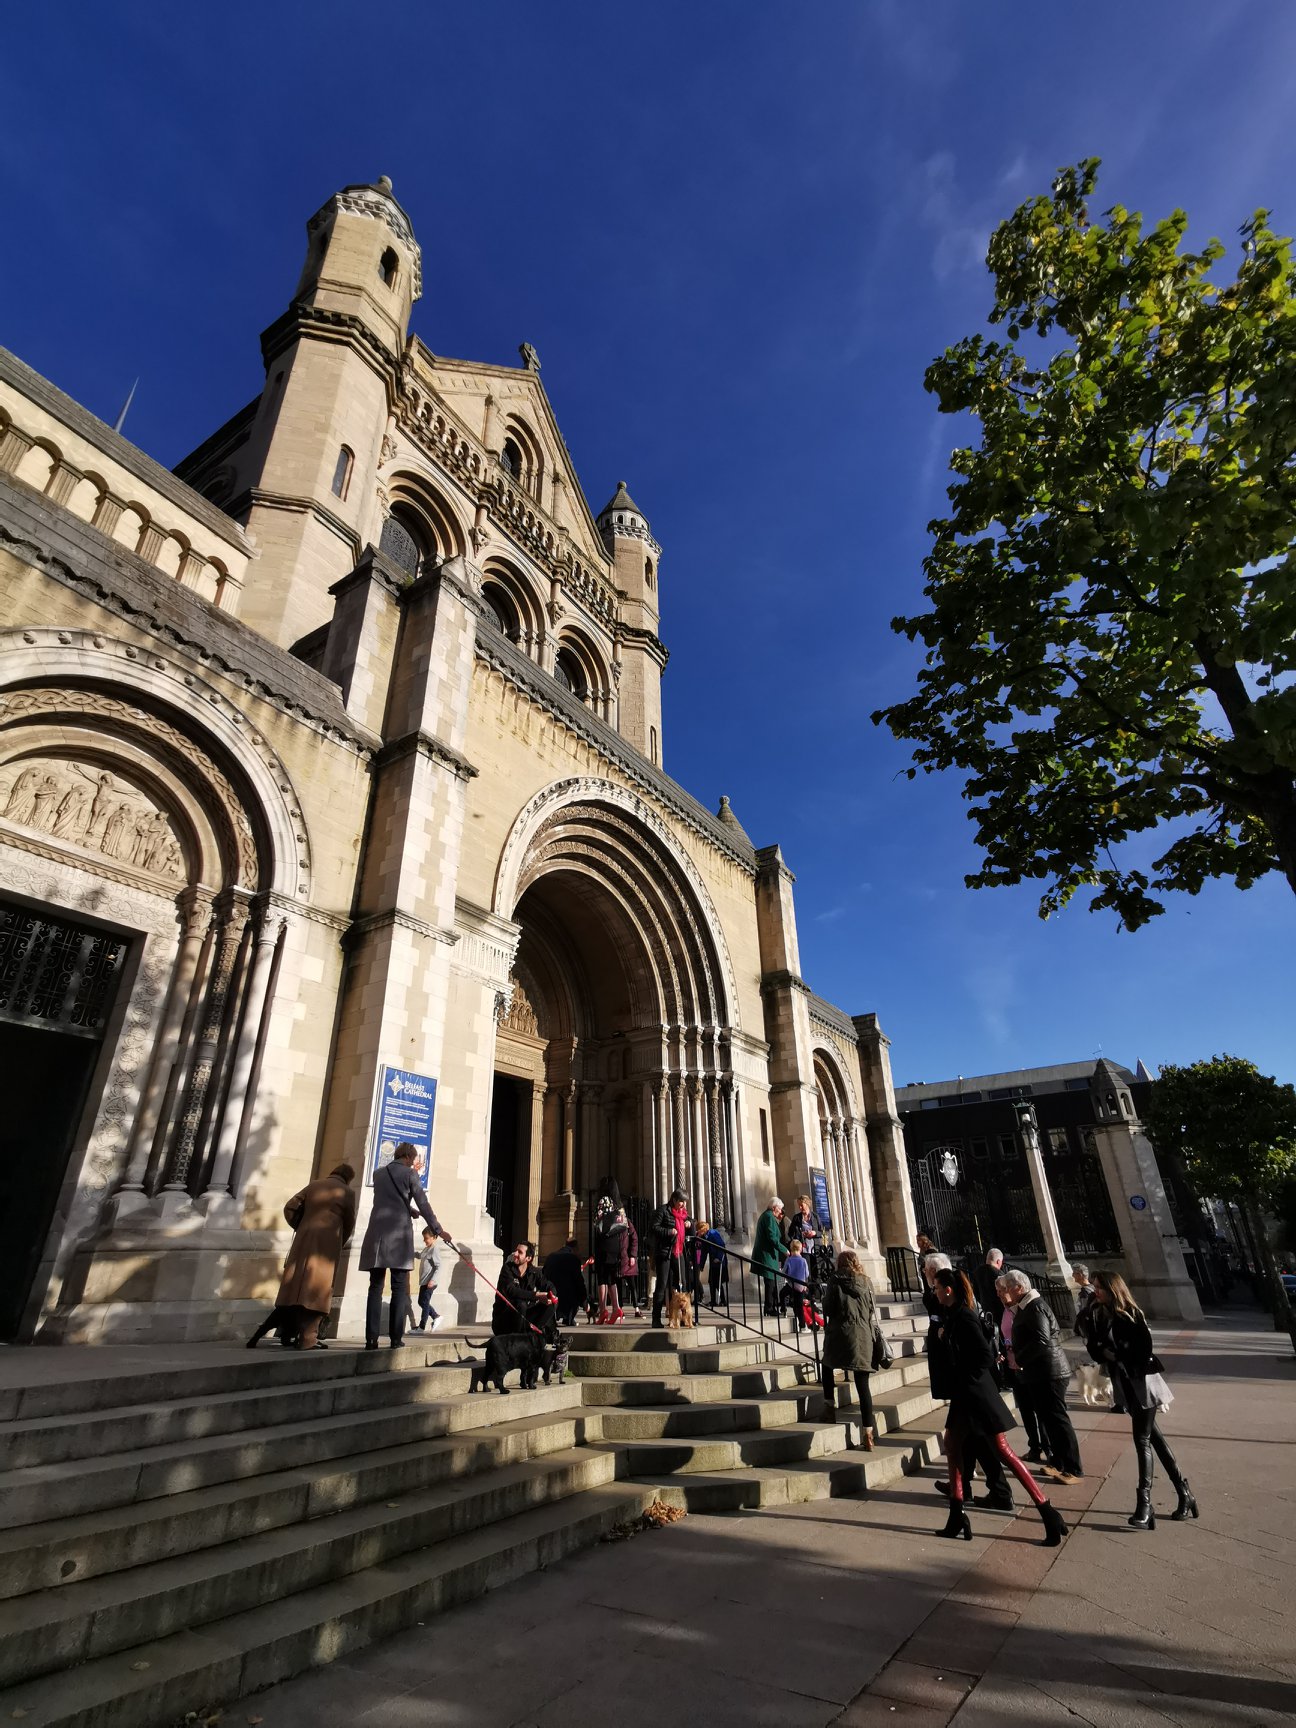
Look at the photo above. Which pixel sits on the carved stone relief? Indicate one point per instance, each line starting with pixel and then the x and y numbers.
pixel 86 806
pixel 520 1016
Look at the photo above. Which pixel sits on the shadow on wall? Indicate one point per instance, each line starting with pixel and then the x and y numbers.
pixel 466 1288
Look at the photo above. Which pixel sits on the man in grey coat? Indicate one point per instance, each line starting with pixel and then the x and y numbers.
pixel 388 1244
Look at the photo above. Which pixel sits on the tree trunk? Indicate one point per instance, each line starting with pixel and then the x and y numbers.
pixel 1283 1318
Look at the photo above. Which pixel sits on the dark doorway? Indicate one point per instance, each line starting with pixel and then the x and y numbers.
pixel 507 1172
pixel 58 982
pixel 43 1104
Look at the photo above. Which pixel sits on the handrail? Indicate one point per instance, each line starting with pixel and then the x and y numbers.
pixel 764 1280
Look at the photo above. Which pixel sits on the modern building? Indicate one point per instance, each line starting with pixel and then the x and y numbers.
pixel 1052 1165
pixel 333 811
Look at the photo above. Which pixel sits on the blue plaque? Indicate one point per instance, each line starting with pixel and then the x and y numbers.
pixel 406 1103
pixel 1138 1202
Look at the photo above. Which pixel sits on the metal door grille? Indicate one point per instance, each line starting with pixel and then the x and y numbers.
pixel 56 974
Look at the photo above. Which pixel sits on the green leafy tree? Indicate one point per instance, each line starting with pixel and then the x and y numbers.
pixel 1235 1130
pixel 1112 630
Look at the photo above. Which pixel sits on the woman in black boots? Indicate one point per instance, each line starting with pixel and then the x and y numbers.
pixel 1122 1340
pixel 976 1411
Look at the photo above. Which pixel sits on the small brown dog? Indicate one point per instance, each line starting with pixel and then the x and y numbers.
pixel 679 1311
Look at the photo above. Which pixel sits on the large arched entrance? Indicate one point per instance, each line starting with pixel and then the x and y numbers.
pixel 613 1055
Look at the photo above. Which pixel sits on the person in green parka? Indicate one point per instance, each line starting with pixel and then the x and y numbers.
pixel 851 1333
pixel 769 1251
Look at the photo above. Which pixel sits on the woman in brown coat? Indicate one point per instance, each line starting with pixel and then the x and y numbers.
pixel 322 1215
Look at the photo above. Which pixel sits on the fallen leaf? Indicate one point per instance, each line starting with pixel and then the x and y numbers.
pixel 139 1667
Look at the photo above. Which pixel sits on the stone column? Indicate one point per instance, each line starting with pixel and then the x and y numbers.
pixel 195 910
pixel 679 1143
pixel 231 917
pixel 267 932
pixel 896 1223
pixel 860 1166
pixel 733 1185
pixel 715 1154
pixel 569 1138
pixel 1058 1264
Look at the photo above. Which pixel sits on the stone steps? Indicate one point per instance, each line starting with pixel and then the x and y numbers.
pixel 57 1552
pixel 41 1491
pixel 155 1684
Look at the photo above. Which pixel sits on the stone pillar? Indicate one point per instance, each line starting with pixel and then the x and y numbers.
pixel 679 1141
pixel 569 1098
pixel 1058 1264
pixel 864 1186
pixel 793 1094
pixel 896 1223
pixel 267 934
pixel 13 447
pixel 195 916
pixel 107 513
pixel 231 919
pixel 734 1186
pixel 719 1210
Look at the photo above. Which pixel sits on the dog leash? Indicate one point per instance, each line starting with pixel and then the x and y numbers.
pixel 464 1255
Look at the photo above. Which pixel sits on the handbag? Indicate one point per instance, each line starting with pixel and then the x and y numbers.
pixel 882 1357
pixel 1158 1390
pixel 295 1217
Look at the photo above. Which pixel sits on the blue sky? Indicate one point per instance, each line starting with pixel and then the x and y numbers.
pixel 736 233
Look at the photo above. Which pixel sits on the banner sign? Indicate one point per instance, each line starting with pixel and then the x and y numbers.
pixel 404 1112
pixel 819 1197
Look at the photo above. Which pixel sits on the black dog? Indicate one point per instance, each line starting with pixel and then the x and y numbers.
pixel 532 1351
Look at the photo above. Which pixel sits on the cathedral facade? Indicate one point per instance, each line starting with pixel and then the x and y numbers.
pixel 333 812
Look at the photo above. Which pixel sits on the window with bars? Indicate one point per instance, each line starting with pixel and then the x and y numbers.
pixel 57 974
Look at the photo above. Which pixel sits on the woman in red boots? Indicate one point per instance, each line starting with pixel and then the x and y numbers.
pixel 976 1411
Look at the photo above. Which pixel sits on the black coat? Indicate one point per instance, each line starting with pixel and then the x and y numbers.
pixel 1035 1343
pixel 517 1292
pixel 850 1323
pixel 983 1282
pixel 616 1251
pixel 564 1271
pixel 1124 1342
pixel 976 1409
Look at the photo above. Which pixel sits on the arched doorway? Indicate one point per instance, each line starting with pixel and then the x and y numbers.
pixel 613 1056
pixel 842 1151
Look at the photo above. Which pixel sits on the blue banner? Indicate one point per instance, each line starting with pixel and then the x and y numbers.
pixel 819 1197
pixel 405 1107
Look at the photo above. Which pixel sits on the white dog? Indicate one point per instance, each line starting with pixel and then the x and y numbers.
pixel 1094 1384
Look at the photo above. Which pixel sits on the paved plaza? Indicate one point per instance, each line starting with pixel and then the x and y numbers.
pixel 851 1612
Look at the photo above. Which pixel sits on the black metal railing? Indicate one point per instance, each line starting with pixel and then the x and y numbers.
pixel 903 1275
pixel 747 1299
pixel 1060 1299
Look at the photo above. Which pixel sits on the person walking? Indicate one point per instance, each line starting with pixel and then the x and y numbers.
pixel 429 1264
pixel 564 1271
pixel 852 1339
pixel 1124 1340
pixel 977 1450
pixel 976 1409
pixel 710 1239
pixel 388 1246
pixel 769 1252
pixel 668 1230
pixel 323 1216
pixel 1041 1361
pixel 1018 1386
pixel 616 1255
pixel 1087 1322
pixel 984 1283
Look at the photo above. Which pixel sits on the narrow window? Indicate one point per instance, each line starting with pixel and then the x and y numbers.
pixel 511 458
pixel 388 265
pixel 652 745
pixel 764 1127
pixel 342 473
pixel 648 573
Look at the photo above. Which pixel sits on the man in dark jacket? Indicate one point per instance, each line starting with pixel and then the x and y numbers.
pixel 563 1270
pixel 983 1283
pixel 521 1287
pixel 667 1233
pixel 1043 1365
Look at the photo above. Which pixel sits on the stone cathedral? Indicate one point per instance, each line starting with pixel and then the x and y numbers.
pixel 332 775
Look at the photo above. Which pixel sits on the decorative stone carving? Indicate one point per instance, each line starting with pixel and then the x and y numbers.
pixel 87 806
pixel 520 1015
pixel 91 705
pixel 388 453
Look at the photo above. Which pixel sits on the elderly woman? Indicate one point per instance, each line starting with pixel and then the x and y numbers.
pixel 322 1215
pixel 976 1411
pixel 1045 1372
pixel 769 1252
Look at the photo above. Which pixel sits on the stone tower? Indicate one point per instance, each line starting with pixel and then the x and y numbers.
pixel 635 559
pixel 307 472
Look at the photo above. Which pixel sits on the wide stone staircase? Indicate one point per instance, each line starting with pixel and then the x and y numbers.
pixel 167 1546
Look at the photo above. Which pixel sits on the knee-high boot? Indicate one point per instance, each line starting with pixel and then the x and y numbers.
pixel 1144 1517
pixel 1187 1507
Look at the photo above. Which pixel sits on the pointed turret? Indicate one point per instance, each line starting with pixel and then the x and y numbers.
pixel 635 557
pixel 726 815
